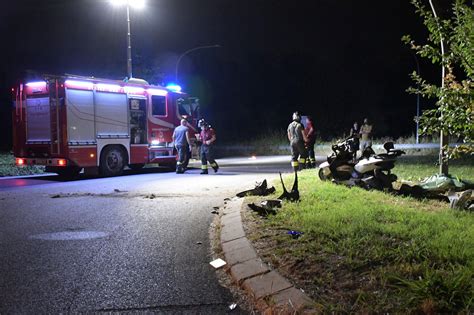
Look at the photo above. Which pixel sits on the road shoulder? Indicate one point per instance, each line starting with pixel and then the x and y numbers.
pixel 271 292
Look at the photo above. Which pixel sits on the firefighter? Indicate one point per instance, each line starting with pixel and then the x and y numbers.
pixel 208 138
pixel 311 135
pixel 297 139
pixel 182 144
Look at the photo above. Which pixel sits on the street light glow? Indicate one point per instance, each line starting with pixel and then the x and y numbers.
pixel 118 2
pixel 137 4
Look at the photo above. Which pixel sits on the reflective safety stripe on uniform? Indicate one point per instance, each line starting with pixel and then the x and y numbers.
pixel 214 164
pixel 204 167
pixel 294 163
pixel 179 163
pixel 302 161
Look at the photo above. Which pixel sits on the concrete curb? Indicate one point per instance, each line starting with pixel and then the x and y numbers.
pixel 272 293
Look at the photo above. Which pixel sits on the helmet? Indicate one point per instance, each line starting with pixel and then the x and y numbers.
pixel 202 123
pixel 296 117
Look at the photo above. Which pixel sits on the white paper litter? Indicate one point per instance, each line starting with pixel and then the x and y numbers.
pixel 217 263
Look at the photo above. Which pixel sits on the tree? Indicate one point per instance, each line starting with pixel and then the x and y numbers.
pixel 454 111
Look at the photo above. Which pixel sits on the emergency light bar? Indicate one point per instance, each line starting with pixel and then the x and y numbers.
pixel 173 87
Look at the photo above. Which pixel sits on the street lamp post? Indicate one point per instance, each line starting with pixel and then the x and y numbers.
pixel 129 45
pixel 136 4
pixel 187 52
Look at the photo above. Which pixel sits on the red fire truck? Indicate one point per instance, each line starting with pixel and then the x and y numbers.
pixel 68 123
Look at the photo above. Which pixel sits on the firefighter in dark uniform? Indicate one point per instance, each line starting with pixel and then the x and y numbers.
pixel 310 133
pixel 208 138
pixel 297 139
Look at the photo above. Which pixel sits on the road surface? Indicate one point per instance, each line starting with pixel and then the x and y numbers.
pixel 138 242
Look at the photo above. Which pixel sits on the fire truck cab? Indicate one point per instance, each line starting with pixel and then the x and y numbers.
pixel 68 123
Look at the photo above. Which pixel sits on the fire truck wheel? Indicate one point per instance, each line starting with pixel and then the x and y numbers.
pixel 112 161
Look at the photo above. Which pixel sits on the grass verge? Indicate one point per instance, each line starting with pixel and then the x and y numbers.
pixel 371 252
pixel 8 167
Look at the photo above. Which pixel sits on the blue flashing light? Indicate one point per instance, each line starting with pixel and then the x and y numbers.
pixel 173 87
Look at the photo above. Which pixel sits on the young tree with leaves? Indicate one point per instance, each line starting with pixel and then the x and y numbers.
pixel 454 112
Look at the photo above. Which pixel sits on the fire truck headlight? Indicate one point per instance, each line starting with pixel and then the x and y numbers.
pixel 155 142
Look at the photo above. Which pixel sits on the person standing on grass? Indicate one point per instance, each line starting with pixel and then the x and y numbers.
pixel 297 139
pixel 311 135
pixel 208 138
pixel 182 144
pixel 354 132
pixel 365 135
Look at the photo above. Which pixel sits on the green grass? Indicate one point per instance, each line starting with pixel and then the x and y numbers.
pixel 372 252
pixel 8 168
pixel 418 167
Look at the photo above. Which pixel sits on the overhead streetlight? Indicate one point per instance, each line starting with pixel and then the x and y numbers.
pixel 137 4
pixel 187 52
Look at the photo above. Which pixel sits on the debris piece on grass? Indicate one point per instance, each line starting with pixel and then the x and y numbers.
pixel 261 210
pixel 259 190
pixel 295 234
pixel 218 263
pixel 294 194
pixel 463 200
pixel 272 203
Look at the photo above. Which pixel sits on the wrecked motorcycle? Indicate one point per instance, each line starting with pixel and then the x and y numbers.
pixel 370 171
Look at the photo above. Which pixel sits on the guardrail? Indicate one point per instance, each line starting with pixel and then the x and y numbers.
pixel 230 150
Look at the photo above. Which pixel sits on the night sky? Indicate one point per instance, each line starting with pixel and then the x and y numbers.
pixel 338 61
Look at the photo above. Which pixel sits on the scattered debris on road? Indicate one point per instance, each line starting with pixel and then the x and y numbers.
pixel 232 306
pixel 218 263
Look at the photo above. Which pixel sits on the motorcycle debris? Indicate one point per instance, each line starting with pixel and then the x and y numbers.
pixel 295 234
pixel 294 194
pixel 232 306
pixel 261 210
pixel 259 190
pixel 272 203
pixel 215 212
pixel 199 243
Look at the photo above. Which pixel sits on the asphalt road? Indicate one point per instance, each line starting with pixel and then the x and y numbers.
pixel 138 242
